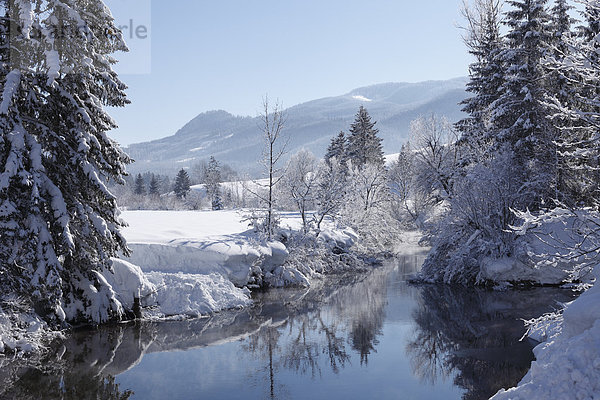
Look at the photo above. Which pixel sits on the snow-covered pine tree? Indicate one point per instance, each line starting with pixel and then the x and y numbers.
pixel 364 146
pixel 579 147
pixel 520 114
pixel 59 224
pixel 337 149
pixel 212 181
pixel 182 184
pixel 486 76
pixel 139 185
pixel 154 187
pixel 559 90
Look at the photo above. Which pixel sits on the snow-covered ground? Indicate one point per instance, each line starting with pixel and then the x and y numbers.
pixel 184 263
pixel 200 262
pixel 567 365
pixel 198 242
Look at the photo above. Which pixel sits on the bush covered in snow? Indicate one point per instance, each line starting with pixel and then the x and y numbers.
pixel 548 247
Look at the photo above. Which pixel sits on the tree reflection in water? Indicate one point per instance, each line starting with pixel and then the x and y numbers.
pixel 473 333
pixel 313 332
pixel 469 335
pixel 83 367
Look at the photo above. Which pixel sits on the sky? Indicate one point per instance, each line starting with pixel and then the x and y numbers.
pixel 192 56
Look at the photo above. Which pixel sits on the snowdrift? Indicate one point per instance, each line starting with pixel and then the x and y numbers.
pixel 551 248
pixel 567 365
pixel 201 242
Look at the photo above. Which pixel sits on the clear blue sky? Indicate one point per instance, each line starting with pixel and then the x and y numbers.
pixel 227 54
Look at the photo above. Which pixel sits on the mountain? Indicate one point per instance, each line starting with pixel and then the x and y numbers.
pixel 237 141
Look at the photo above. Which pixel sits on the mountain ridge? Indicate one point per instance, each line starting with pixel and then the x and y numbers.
pixel 236 140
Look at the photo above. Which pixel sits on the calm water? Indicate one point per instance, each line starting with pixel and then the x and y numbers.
pixel 370 336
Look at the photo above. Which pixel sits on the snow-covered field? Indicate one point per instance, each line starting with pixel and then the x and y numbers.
pixel 201 262
pixel 198 242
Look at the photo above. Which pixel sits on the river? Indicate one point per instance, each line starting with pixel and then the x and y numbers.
pixel 352 336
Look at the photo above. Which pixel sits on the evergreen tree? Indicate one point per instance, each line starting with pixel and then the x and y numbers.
pixel 154 188
pixel 520 114
pixel 559 84
pixel 577 111
pixel 337 149
pixel 486 77
pixel 212 181
pixel 140 186
pixel 364 146
pixel 59 224
pixel 182 184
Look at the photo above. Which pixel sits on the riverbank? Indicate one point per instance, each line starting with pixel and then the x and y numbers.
pixel 349 335
pixel 567 364
pixel 194 263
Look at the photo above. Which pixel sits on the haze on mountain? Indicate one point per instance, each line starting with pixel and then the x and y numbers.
pixel 237 140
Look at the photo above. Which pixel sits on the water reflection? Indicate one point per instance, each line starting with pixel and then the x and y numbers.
pixel 319 328
pixel 335 333
pixel 475 334
pixel 81 367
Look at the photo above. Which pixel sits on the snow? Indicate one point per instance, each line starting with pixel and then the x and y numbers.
pixel 128 282
pixel 22 330
pixel 162 227
pixel 11 85
pixel 362 98
pixel 167 294
pixel 185 160
pixel 544 250
pixel 196 295
pixel 237 186
pixel 197 242
pixel 199 247
pixel 567 365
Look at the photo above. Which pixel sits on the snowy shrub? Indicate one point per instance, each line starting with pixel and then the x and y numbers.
pixel 328 253
pixel 560 239
pixel 21 330
pixel 475 225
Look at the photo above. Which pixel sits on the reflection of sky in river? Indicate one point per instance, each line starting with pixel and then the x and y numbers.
pixel 372 317
pixel 370 336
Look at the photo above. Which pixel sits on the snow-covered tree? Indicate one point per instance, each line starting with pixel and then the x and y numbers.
pixel 182 184
pixel 520 115
pixel 576 110
pixel 298 183
pixel 59 224
pixel 139 186
pixel 368 187
pixel 400 174
pixel 337 149
pixel 486 76
pixel 329 192
pixel 212 181
pixel 435 155
pixel 364 146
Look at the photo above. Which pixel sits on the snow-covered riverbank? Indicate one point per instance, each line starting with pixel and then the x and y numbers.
pixel 184 263
pixel 567 363
pixel 200 262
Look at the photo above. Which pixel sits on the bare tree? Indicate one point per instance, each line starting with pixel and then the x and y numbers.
pixel 436 155
pixel 272 123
